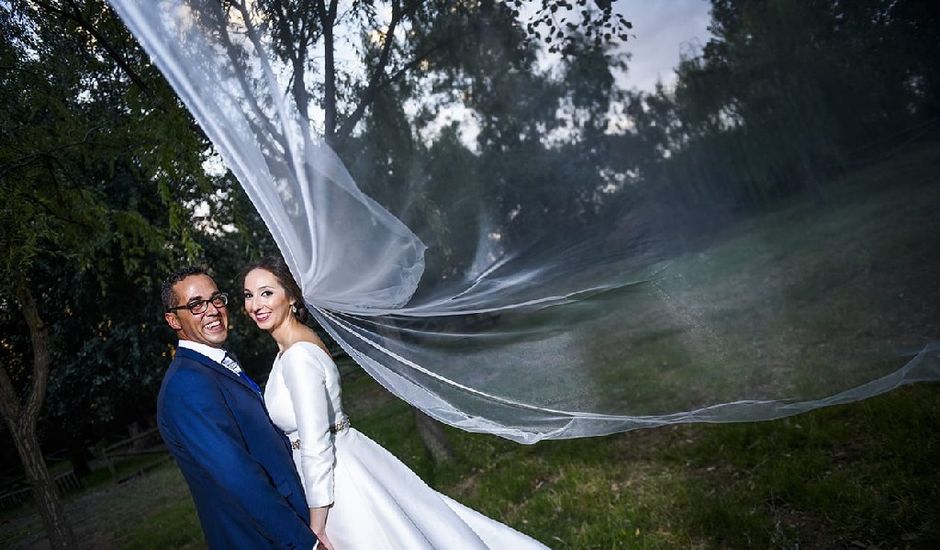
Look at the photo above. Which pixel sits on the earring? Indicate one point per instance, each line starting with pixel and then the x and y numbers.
pixel 293 309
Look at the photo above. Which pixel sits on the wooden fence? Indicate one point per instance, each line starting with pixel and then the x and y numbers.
pixel 17 491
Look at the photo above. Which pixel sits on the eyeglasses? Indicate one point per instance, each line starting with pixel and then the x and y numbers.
pixel 198 307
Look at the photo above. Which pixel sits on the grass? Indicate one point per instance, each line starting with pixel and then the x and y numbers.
pixel 123 469
pixel 865 475
pixel 801 302
pixel 173 526
pixel 859 473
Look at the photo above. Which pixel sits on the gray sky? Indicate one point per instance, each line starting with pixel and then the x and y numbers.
pixel 662 29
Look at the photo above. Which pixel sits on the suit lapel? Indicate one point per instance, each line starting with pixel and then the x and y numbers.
pixel 205 361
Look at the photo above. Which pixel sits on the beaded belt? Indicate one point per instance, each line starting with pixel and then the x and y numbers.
pixel 340 426
pixel 334 428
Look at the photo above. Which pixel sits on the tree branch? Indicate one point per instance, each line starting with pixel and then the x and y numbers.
pixel 29 159
pixel 301 99
pixel 327 20
pixel 75 15
pixel 375 78
pixel 247 92
pixel 367 100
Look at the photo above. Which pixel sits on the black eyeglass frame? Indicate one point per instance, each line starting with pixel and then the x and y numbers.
pixel 198 307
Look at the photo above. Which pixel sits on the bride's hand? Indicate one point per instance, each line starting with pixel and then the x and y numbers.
pixel 318 526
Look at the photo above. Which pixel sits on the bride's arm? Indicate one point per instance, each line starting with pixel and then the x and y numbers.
pixel 303 376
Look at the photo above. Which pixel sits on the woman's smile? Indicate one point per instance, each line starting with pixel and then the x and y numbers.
pixel 261 317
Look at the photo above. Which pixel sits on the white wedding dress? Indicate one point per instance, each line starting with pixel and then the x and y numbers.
pixel 378 502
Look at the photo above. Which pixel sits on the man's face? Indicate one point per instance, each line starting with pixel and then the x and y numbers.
pixel 209 327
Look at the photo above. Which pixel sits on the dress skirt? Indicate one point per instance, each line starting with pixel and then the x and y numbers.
pixel 381 504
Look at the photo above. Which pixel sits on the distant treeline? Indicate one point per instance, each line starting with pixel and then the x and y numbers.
pixel 786 95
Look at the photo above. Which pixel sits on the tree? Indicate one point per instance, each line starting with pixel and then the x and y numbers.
pixel 414 34
pixel 88 222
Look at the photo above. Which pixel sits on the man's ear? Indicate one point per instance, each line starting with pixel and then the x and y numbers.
pixel 172 320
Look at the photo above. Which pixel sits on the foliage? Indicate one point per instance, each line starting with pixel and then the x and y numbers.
pixel 554 23
pixel 98 176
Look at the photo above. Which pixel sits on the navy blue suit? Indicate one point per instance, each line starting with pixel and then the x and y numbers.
pixel 237 463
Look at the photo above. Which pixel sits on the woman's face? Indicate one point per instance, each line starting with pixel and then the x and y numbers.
pixel 266 301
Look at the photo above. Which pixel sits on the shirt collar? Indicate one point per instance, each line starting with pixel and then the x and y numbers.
pixel 216 354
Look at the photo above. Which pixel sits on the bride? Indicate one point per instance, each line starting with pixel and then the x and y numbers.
pixel 360 496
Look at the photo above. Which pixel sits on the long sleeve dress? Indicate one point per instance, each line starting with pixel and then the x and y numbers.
pixel 377 501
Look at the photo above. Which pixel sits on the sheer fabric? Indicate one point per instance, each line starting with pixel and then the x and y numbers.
pixel 533 320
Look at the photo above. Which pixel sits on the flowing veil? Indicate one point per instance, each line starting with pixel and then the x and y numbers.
pixel 522 314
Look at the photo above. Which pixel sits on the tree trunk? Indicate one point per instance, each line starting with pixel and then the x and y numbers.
pixel 44 489
pixel 21 420
pixel 327 20
pixel 433 437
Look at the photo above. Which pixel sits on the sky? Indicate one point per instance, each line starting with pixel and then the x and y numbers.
pixel 662 29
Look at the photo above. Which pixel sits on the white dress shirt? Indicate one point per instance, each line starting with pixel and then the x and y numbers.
pixel 216 354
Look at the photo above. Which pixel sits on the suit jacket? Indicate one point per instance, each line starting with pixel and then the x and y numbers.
pixel 237 463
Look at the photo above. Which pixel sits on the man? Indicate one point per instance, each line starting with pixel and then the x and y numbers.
pixel 237 463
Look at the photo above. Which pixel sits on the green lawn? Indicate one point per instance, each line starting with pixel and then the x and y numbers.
pixel 21 526
pixel 803 301
pixel 864 475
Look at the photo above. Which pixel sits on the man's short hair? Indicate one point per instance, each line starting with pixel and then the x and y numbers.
pixel 166 291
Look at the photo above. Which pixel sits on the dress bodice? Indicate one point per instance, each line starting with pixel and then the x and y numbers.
pixel 303 398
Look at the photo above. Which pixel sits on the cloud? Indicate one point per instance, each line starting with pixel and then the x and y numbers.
pixel 661 30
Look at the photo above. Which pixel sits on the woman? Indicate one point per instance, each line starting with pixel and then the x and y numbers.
pixel 360 496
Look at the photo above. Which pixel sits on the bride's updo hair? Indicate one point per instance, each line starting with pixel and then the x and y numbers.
pixel 275 266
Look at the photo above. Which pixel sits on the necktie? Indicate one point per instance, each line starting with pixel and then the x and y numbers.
pixel 231 364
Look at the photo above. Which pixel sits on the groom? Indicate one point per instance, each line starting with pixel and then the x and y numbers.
pixel 212 417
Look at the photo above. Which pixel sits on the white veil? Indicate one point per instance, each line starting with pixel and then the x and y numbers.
pixel 527 330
